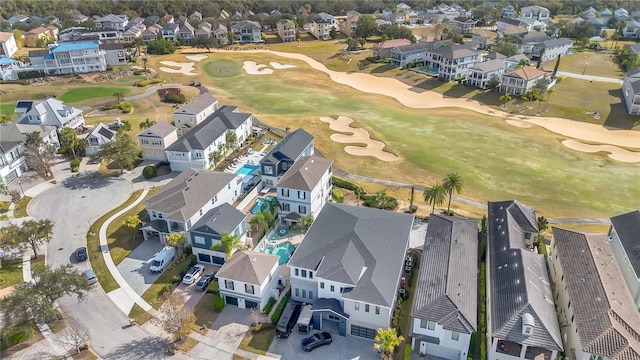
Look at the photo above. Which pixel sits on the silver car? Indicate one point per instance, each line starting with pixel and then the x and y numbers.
pixel 193 274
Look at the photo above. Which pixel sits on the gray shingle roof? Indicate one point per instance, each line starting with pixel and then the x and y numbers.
pixel 221 218
pixel 181 198
pixel 518 280
pixel 289 148
pixel 455 51
pixel 248 266
pixel 210 129
pixel 446 291
pixel 360 246
pixel 195 106
pixel 627 227
pixel 490 65
pixel 557 42
pixel 305 173
pixel 161 129
pixel 10 136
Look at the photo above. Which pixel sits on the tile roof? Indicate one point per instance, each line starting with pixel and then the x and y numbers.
pixel 197 105
pixel 392 43
pixel 248 267
pixel 518 281
pixel 597 289
pixel 358 246
pixel 305 173
pixel 188 192
pixel 221 218
pixel 289 148
pixel 446 291
pixel 627 226
pixel 525 73
pixel 5 36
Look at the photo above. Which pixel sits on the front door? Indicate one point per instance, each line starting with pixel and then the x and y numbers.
pixel 423 347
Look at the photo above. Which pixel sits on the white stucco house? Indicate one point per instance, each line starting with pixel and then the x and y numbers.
pixel 624 235
pixel 49 112
pixel 8 45
pixel 154 141
pixel 631 91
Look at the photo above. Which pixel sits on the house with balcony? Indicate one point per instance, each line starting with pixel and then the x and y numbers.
pixel 186 33
pixel 550 49
pixel 349 266
pixel 210 229
pixel 320 29
pixel 286 30
pixel 481 73
pixel 246 31
pixel 203 30
pixel 521 80
pixel 170 31
pixel 631 91
pixel 9 68
pixel 32 37
pixel 304 189
pixel 291 148
pixel 382 49
pixel 625 243
pixel 118 22
pixel 521 316
pixel 249 279
pixel 404 55
pixel 220 32
pixel 451 61
pixel 151 33
pixel 181 203
pixel 114 54
pixel 133 33
pixel 535 12
pixel 598 317
pixel 49 112
pixel 194 112
pixel 330 19
pixel 153 142
pixel 463 24
pixel 444 313
pixel 8 45
pixel 70 58
pixel 348 26
pixel 13 163
pixel 192 149
pixel 97 137
pixel 482 39
pixel 508 11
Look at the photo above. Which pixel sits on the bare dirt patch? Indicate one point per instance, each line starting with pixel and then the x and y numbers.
pixel 372 147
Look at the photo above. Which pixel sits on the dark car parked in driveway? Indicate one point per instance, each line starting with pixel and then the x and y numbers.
pixel 81 254
pixel 204 282
pixel 316 340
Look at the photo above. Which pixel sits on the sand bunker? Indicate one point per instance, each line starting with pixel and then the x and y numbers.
pixel 253 68
pixel 196 57
pixel 372 148
pixel 183 68
pixel 615 152
pixel 276 65
pixel 518 123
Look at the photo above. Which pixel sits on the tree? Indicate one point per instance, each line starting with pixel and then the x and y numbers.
pixel 75 335
pixel 486 13
pixel 228 243
pixel 255 315
pixel 39 154
pixel 362 42
pixel 366 26
pixel 31 234
pixel 4 189
pixel 434 195
pixel 174 317
pixel 144 62
pixel 70 140
pixel 382 198
pixel 386 342
pixel 555 68
pixel 36 299
pixel 523 63
pixel 506 48
pixel 452 183
pixel 132 222
pixel 351 44
pixel 231 139
pixel 215 157
pixel 160 47
pixel 505 99
pixel 333 33
pixel 175 239
pixel 123 151
pixel 125 126
pixel 204 42
pixel 549 93
pixel 543 224
pixel 493 83
pixel 304 223
pixel 257 222
pixel 118 95
pixel 147 124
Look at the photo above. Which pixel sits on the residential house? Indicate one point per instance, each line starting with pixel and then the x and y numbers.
pixel 79 18
pixel 512 62
pixel 154 141
pixel 118 22
pixel 9 68
pixel 304 189
pixel 505 23
pixel 445 305
pixel 382 50
pixel 249 279
pixel 151 33
pixel 521 80
pixel 220 33
pixel 412 17
pixel 195 16
pixel 451 61
pixel 349 266
pixel 320 29
pixel 635 48
pixel 482 39
pixel 99 136
pixel 185 199
pixel 403 7
pixel 275 12
pixel 192 150
pixel 169 19
pixel 186 33
pixel 513 32
pixel 152 19
pixel 590 13
pixel 203 30
pixel 550 49
pixel 398 17
pixel 237 15
pixel 621 14
pixel 104 35
pixel 70 58
pixel 224 15
pixel 114 54
pixel 302 11
pixel 381 22
pixel 508 11
pixel 404 55
pixel 49 112
pixel 133 33
pixel 8 45
pixel 535 12
pixel 38 36
pixel 13 163
pixel 286 30
pixel 246 31
pixel 521 317
pixel 330 19
pixel 631 91
pixel 631 29
pixel 291 148
pixel 348 26
pixel 387 13
pixel 194 112
pixel 53 31
pixel 463 24
pixel 136 22
pixel 528 42
pixel 19 18
pixel 625 243
pixel 481 73
pixel 534 24
pixel 170 31
pixel 209 230
pixel 598 316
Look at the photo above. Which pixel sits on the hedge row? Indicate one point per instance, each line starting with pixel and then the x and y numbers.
pixel 278 312
pixel 124 106
pixel 218 303
pixel 345 184
pixel 337 195
pixel 270 303
pixel 143 83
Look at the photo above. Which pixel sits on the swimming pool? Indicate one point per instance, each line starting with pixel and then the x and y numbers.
pixel 261 204
pixel 247 169
pixel 283 250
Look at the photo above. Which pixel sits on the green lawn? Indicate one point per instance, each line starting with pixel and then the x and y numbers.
pixel 7 108
pixel 205 315
pixel 90 92
pixel 20 209
pixel 258 342
pixel 11 272
pixel 496 160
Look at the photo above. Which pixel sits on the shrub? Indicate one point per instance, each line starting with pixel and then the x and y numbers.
pixel 149 172
pixel 278 312
pixel 171 97
pixel 194 260
pixel 75 164
pixel 372 201
pixel 338 195
pixel 472 344
pixel 270 303
pixel 407 351
pixel 345 184
pixel 143 83
pixel 31 74
pixel 167 288
pixel 140 72
pixel 124 106
pixel 214 288
pixel 414 209
pixel 218 303
pixel 175 278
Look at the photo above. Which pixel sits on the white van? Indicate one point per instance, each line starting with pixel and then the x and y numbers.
pixel 163 259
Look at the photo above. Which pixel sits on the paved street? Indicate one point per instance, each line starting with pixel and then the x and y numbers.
pixel 590 77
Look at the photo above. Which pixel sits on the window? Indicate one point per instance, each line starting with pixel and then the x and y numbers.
pixel 332 289
pixel 268 170
pixel 198 240
pixel 423 324
pixel 304 293
pixel 297 272
pixel 322 285
pixel 366 307
pixel 377 310
pixel 304 273
pixel 297 292
pixel 310 274
pixel 248 289
pixel 431 325
pixel 302 209
pixel 285 206
pixel 455 335
pixel 356 306
pixel 228 284
pixel 527 236
pixel 310 295
pixel 302 195
pixel 285 192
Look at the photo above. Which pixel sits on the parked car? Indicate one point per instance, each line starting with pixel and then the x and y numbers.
pixel 81 254
pixel 204 282
pixel 316 340
pixel 193 274
pixel 90 276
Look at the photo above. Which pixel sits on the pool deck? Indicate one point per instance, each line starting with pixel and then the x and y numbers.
pixel 249 159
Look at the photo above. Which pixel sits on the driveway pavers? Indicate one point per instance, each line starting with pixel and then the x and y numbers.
pixel 135 267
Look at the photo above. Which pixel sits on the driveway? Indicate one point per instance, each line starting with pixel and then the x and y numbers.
pixel 135 267
pixel 230 326
pixel 342 347
pixel 188 293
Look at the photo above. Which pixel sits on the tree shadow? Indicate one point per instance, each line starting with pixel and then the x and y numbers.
pixel 619 118
pixel 382 69
pixel 146 348
pixel 87 181
pixel 157 179
pixel 429 84
pixel 459 91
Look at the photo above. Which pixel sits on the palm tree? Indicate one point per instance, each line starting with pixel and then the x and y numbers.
pixel 386 342
pixel 231 139
pixel 175 239
pixel 381 198
pixel 543 224
pixel 228 243
pixel 435 195
pixel 549 93
pixel 523 63
pixel 257 222
pixel 505 99
pixel 147 124
pixel 118 95
pixel 215 156
pixel 452 183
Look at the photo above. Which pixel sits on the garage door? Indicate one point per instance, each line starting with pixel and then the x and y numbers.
pixel 232 300
pixel 217 260
pixel 251 304
pixel 362 331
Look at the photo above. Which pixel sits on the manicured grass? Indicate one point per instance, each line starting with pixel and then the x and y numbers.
pixel 4 208
pixel 20 209
pixel 153 295
pixel 258 342
pixel 589 63
pixel 90 92
pixel 11 272
pixel 139 314
pixel 205 315
pixel 7 109
pixel 223 68
pixel 98 265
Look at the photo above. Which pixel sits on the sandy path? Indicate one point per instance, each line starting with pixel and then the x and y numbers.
pixel 357 135
pixel 615 152
pixel 404 94
pixel 183 68
pixel 253 68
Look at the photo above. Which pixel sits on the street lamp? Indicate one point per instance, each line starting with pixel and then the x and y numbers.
pixel 21 189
